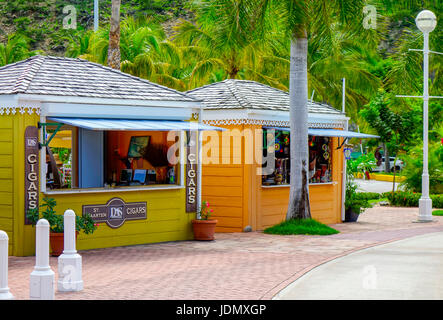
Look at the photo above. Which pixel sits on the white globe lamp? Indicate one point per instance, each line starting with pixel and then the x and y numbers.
pixel 426 21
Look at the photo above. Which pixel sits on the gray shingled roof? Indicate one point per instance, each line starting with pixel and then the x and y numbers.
pixel 246 94
pixel 46 75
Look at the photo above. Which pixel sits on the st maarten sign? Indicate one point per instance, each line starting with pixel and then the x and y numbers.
pixel 115 212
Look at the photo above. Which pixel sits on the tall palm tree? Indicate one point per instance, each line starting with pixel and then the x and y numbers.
pixel 302 20
pixel 114 36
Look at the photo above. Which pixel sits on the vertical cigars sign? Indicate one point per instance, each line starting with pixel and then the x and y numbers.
pixel 31 169
pixel 191 180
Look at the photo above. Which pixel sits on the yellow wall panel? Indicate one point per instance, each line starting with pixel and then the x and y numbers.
pixel 5 148
pixel 6 174
pixel 5 161
pixel 5 134
pixel 6 224
pixel 6 122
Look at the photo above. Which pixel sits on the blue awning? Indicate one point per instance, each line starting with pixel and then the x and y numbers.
pixel 330 133
pixel 339 133
pixel 134 125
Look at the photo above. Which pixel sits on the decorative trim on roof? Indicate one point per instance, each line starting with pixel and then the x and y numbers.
pixel 6 111
pixel 273 123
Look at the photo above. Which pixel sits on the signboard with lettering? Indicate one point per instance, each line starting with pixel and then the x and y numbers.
pixel 191 181
pixel 31 169
pixel 115 212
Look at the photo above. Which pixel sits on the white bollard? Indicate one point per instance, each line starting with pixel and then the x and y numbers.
pixel 4 290
pixel 42 277
pixel 69 262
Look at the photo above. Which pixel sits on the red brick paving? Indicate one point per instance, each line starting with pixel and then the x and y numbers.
pixel 236 266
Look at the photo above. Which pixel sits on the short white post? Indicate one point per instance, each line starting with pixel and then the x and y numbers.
pixel 69 262
pixel 4 290
pixel 42 277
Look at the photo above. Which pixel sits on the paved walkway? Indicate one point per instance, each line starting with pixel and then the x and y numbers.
pixel 235 266
pixel 409 269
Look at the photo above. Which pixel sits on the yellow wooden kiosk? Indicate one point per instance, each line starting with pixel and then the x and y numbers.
pixel 94 139
pixel 236 180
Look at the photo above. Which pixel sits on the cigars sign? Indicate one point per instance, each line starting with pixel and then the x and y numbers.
pixel 31 169
pixel 115 212
pixel 191 182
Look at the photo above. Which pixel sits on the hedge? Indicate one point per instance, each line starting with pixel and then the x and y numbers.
pixel 410 199
pixel 367 195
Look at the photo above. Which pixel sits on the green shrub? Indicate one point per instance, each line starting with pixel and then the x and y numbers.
pixel 410 199
pixel 414 168
pixel 56 221
pixel 367 195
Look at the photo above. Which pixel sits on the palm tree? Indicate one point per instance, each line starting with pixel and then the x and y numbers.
pixel 334 57
pixel 145 52
pixel 114 36
pixel 224 43
pixel 15 49
pixel 302 20
pixel 79 44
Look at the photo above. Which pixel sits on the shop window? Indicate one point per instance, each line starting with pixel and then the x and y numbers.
pixel 80 159
pixel 320 164
pixel 59 159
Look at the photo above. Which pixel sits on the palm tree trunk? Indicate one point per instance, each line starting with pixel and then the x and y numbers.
pixel 386 156
pixel 114 36
pixel 299 206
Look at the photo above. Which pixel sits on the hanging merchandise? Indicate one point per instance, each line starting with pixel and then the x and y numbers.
pixel 278 145
pixel 286 140
pixel 311 142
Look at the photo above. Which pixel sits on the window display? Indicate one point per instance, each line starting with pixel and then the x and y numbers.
pixel 319 159
pixel 108 159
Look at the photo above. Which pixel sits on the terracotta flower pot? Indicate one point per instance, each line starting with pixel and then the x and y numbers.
pixel 204 229
pixel 57 241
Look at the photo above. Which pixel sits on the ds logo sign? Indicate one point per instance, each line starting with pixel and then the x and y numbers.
pixel 116 213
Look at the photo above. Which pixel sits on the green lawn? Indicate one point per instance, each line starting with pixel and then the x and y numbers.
pixel 301 226
pixel 373 201
pixel 437 213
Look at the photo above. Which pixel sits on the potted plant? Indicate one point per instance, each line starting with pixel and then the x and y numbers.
pixel 56 235
pixel 203 227
pixel 353 205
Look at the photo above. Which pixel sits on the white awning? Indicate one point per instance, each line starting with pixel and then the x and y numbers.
pixel 330 133
pixel 133 125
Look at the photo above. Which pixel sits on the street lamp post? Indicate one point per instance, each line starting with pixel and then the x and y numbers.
pixel 426 22
pixel 96 15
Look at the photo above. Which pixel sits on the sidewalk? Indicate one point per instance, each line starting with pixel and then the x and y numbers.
pixel 235 266
pixel 408 269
